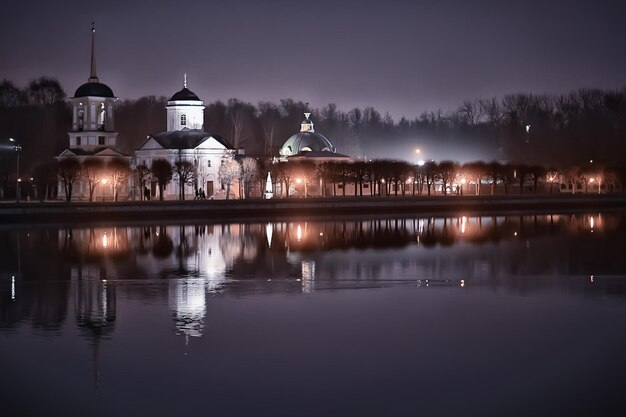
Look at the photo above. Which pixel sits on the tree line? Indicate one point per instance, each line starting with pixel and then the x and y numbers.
pixel 392 177
pixel 549 130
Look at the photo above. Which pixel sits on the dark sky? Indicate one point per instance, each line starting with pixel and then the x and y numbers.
pixel 400 56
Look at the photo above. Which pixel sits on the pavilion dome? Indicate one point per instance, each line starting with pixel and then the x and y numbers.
pixel 307 140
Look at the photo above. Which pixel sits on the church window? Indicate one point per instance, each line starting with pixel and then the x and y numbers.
pixel 183 119
pixel 101 117
pixel 209 163
pixel 100 140
pixel 81 119
pixel 78 140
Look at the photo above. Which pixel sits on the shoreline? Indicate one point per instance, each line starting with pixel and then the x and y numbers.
pixel 259 209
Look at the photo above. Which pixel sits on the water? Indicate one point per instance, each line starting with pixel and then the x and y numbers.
pixel 506 315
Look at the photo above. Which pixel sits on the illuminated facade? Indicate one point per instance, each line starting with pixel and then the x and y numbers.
pixel 185 140
pixel 309 144
pixel 93 134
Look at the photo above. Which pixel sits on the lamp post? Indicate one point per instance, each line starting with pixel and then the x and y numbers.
pixel 17 148
pixel 104 182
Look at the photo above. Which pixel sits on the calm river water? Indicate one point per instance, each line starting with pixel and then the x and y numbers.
pixel 494 315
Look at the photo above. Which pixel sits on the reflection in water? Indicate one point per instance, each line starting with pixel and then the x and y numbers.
pixel 268 232
pixel 520 253
pixel 188 302
pixel 308 276
pixel 110 284
pixel 95 307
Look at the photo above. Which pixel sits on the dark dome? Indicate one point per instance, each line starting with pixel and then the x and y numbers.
pixel 185 95
pixel 94 90
pixel 306 141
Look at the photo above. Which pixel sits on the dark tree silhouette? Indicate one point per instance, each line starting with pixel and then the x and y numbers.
pixel 185 174
pixel 161 171
pixel 68 170
pixel 142 175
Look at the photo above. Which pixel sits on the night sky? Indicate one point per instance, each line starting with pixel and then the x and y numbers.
pixel 398 56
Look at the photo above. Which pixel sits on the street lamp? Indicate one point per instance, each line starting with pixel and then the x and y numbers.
pixel 17 148
pixel 420 160
pixel 104 182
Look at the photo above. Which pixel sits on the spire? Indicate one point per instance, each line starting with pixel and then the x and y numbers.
pixel 93 77
pixel 185 80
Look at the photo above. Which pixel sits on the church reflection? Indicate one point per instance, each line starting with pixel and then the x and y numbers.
pixel 87 269
pixel 52 278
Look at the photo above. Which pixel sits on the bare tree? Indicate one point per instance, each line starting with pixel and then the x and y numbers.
pixel 573 177
pixel 249 171
pixel 69 171
pixel 185 173
pixel 239 116
pixel 430 174
pixel 475 171
pixel 537 173
pixel 447 172
pixel 471 111
pixel 142 175
pixel 44 175
pixel 44 91
pixel 162 172
pixel 10 95
pixel 283 173
pixel 119 170
pixel 229 171
pixel 493 174
pixel 304 171
pixel 93 171
pixel 269 115
pixel 552 176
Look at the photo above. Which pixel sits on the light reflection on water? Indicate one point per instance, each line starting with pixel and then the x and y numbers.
pixel 100 280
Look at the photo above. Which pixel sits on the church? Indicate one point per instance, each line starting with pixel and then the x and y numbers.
pixel 93 138
pixel 186 140
pixel 104 173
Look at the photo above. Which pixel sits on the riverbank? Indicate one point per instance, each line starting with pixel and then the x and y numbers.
pixel 31 212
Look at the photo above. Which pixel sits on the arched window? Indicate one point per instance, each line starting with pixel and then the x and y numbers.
pixel 81 119
pixel 183 119
pixel 101 117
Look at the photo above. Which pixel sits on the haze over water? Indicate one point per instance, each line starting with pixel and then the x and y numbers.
pixel 492 315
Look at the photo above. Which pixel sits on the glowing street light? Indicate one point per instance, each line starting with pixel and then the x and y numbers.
pixel 104 182
pixel 17 148
pixel 420 161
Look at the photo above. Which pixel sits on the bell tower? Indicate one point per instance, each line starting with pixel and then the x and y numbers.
pixel 92 110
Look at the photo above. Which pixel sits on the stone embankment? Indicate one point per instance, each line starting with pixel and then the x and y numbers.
pixel 223 210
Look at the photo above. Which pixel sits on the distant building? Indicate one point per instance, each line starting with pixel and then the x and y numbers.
pixel 185 140
pixel 93 132
pixel 310 145
pixel 307 145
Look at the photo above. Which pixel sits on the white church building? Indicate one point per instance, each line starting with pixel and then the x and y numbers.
pixel 93 137
pixel 186 140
